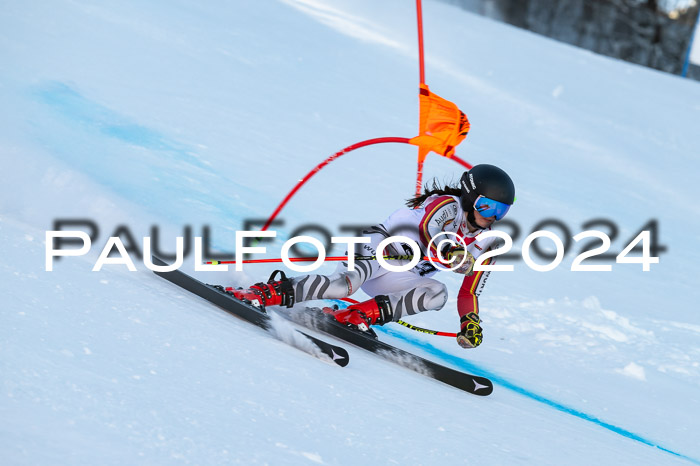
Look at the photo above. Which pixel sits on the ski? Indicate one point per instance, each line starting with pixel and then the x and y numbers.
pixel 245 311
pixel 315 318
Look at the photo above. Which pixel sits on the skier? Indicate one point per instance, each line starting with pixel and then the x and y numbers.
pixel 484 196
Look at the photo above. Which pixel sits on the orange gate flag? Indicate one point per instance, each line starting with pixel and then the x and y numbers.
pixel 442 125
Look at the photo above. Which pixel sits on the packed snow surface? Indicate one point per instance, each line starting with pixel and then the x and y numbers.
pixel 189 118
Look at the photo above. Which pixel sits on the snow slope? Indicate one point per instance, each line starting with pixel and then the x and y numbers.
pixel 207 114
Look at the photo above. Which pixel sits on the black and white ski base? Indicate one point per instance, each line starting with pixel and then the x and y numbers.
pixel 245 311
pixel 316 319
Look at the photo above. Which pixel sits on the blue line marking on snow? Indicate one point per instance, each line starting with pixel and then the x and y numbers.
pixel 134 161
pixel 498 380
pixel 476 369
pixel 94 116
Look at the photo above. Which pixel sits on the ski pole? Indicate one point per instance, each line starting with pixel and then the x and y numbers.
pixel 425 330
pixel 312 259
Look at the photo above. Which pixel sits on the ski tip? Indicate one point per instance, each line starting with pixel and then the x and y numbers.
pixel 341 358
pixel 482 386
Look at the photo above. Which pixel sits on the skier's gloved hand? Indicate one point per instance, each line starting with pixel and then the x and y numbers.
pixel 470 335
pixel 454 255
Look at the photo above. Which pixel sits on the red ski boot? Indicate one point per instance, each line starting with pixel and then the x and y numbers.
pixel 273 293
pixel 376 311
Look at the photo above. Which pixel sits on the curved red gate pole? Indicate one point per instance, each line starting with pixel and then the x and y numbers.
pixel 463 163
pixel 318 168
pixel 422 153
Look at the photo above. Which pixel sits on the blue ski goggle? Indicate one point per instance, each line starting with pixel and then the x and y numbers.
pixel 490 208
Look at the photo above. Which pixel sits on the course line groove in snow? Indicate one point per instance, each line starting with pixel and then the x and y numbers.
pixel 503 382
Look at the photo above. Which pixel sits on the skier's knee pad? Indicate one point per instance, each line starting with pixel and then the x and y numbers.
pixel 435 296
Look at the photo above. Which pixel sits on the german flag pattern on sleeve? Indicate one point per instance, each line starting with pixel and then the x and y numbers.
pixel 468 297
pixel 439 214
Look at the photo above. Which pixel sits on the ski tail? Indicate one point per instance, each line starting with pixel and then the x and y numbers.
pixel 252 314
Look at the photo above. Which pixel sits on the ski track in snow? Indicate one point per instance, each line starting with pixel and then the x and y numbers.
pixel 137 114
pixel 283 330
pixel 503 382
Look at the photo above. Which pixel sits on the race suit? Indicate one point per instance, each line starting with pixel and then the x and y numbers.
pixel 412 291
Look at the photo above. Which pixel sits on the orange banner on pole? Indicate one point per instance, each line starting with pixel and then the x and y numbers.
pixel 442 125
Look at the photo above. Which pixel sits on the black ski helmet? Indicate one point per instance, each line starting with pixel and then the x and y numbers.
pixel 488 181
